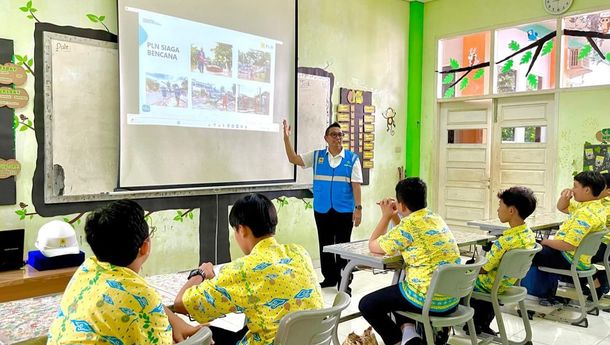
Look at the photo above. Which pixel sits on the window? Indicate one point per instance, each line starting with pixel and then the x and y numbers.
pixel 518 67
pixel 520 135
pixel 463 65
pixel 586 50
pixel 467 136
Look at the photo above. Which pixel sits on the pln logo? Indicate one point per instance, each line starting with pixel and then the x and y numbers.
pixel 603 135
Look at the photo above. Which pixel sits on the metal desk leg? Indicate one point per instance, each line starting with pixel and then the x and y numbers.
pixel 345 274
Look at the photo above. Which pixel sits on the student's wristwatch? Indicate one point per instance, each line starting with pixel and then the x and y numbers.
pixel 358 207
pixel 196 272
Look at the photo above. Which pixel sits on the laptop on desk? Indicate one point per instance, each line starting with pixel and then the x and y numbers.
pixel 11 249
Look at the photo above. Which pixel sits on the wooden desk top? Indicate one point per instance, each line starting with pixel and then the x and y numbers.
pixel 29 282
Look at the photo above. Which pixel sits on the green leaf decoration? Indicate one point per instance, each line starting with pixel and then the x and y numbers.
pixel 179 212
pixel 177 218
pixel 584 52
pixel 532 81
pixel 19 58
pixel 587 144
pixel 15 122
pixel 33 10
pixel 507 66
pixel 597 149
pixel 30 62
pixel 450 92
pixel 547 48
pixel 23 9
pixel 23 129
pixel 29 4
pixel 464 83
pixel 608 57
pixel 454 63
pixel 92 17
pixel 29 122
pixel 191 215
pixel 101 18
pixel 478 74
pixel 30 16
pixel 526 57
pixel 67 220
pixel 448 78
pixel 513 45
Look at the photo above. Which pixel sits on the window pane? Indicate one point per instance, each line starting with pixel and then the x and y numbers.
pixel 467 136
pixel 464 52
pixel 586 62
pixel 531 134
pixel 517 67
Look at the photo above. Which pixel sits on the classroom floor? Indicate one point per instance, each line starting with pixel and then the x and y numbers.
pixel 544 332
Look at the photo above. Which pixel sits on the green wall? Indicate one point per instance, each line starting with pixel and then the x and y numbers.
pixel 581 113
pixel 363 42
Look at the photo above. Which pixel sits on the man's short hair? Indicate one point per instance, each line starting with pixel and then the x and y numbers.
pixel 255 211
pixel 334 124
pixel 522 198
pixel 593 180
pixel 116 232
pixel 411 192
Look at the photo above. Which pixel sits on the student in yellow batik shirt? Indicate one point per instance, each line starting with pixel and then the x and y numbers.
pixel 514 206
pixel 589 216
pixel 271 281
pixel 106 301
pixel 425 242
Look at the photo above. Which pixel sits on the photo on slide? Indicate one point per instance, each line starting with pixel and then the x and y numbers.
pixel 213 96
pixel 254 65
pixel 166 91
pixel 253 99
pixel 214 58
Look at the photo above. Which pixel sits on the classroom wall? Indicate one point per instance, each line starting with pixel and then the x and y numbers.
pixel 362 42
pixel 581 113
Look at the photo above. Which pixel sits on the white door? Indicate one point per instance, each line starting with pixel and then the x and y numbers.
pixel 464 162
pixel 523 147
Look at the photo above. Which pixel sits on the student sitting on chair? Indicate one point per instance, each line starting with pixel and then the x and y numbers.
pixel 425 242
pixel 567 205
pixel 269 282
pixel 107 301
pixel 515 205
pixel 589 216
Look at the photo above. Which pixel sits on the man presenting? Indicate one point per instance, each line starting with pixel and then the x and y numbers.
pixel 337 175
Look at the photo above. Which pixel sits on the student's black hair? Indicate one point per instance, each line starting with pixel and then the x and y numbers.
pixel 411 192
pixel 606 177
pixel 116 232
pixel 255 211
pixel 593 180
pixel 522 198
pixel 334 124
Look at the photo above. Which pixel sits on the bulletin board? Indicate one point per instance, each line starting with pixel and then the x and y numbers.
pixel 597 158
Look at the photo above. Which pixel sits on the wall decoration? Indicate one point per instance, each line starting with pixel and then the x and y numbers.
pixel 355 113
pixel 9 168
pixel 596 158
pixel 389 115
pixel 12 74
pixel 13 98
pixel 507 81
pixel 8 187
pixel 603 136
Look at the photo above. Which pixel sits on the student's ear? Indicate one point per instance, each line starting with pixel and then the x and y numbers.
pixel 145 248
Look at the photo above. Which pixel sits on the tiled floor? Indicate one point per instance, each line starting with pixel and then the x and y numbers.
pixel 544 332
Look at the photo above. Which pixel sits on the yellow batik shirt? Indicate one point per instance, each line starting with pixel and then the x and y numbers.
pixel 588 216
pixel 606 203
pixel 425 242
pixel 519 237
pixel 270 282
pixel 107 304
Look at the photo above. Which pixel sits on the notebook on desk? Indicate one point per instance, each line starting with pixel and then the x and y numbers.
pixel 11 249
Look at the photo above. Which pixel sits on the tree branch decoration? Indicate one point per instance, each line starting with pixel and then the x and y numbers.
pixel 76 219
pixel 463 80
pixel 589 35
pixel 24 121
pixel 25 62
pixel 28 8
pixel 181 215
pixel 22 212
pixel 97 19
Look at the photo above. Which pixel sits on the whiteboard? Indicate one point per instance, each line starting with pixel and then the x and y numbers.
pixel 313 113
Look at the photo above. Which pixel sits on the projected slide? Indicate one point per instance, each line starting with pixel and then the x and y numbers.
pixel 197 75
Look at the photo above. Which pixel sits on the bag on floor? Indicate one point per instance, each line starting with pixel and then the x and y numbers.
pixel 540 284
pixel 368 338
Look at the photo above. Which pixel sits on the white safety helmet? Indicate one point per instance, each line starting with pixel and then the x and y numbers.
pixel 57 238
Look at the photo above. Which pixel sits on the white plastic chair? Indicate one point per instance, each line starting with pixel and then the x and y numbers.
pixel 312 327
pixel 515 263
pixel 588 246
pixel 451 280
pixel 202 337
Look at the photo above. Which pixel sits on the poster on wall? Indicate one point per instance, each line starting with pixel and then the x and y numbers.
pixel 597 158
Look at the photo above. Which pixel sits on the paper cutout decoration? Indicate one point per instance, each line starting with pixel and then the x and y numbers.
pixel 355 114
pixel 11 73
pixel 389 115
pixel 9 168
pixel 596 158
pixel 13 98
pixel 603 135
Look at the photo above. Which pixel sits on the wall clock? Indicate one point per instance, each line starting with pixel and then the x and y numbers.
pixel 557 6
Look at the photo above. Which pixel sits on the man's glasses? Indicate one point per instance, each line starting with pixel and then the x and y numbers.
pixel 336 134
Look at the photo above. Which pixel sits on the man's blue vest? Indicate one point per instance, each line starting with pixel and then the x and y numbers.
pixel 332 187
